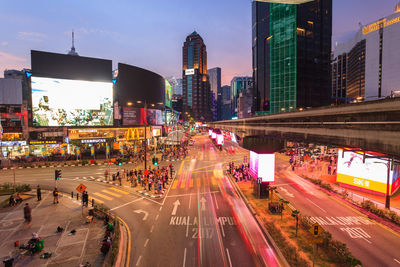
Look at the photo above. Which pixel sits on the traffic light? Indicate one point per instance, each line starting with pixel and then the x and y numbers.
pixel 57 174
pixel 155 161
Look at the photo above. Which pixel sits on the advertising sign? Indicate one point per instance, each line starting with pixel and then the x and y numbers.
pixel 213 135
pixel 26 153
pixel 92 151
pixel 189 72
pixel 396 180
pixel 220 139
pixel 209 133
pixel 63 151
pixel 63 102
pixel 168 94
pixel 262 165
pixel 371 175
pixel 78 152
pixel 107 150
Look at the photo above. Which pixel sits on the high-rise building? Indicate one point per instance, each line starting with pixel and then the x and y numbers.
pixel 195 85
pixel 176 84
pixel 291 55
pixel 238 85
pixel 367 67
pixel 214 75
pixel 226 112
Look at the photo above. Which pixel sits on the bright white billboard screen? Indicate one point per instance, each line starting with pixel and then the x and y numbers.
pixel 262 165
pixel 62 102
pixel 371 175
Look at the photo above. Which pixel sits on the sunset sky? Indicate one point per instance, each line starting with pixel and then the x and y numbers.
pixel 150 34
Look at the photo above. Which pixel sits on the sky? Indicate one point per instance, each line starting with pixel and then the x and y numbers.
pixel 150 34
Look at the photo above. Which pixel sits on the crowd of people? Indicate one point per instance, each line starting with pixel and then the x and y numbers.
pixel 239 172
pixel 313 163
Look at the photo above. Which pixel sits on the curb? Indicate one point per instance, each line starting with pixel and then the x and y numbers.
pixel 124 245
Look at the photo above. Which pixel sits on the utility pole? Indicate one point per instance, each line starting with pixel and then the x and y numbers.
pixel 145 135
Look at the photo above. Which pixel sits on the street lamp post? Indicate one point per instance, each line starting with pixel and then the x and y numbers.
pixel 387 198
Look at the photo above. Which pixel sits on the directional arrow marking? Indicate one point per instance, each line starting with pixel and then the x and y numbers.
pixel 176 204
pixel 203 203
pixel 146 214
pixel 287 192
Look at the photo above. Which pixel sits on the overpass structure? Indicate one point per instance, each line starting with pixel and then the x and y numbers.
pixel 371 126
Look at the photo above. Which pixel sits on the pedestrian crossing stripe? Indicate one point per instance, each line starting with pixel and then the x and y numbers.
pixel 119 191
pixel 102 196
pixel 96 200
pixel 191 183
pixel 198 182
pixel 213 182
pixel 174 184
pixel 111 193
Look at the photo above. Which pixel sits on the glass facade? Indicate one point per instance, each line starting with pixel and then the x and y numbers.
pixel 283 54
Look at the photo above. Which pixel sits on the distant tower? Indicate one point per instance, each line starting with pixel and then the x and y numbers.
pixel 72 52
pixel 397 8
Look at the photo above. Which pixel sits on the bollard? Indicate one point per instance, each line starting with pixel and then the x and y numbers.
pixel 72 194
pixel 77 196
pixel 92 202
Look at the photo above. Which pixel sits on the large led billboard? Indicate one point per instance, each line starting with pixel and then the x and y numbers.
pixel 262 165
pixel 65 102
pixel 371 175
pixel 168 94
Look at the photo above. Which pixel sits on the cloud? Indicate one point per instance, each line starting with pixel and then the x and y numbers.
pixel 9 61
pixel 31 36
pixel 5 57
pixel 3 43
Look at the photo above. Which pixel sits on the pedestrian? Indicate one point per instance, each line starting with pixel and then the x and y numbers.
pixel 55 195
pixel 120 180
pixel 28 214
pixel 329 169
pixel 39 193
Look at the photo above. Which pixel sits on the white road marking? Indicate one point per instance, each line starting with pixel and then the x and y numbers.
pixel 160 208
pixel 222 228
pixel 316 205
pixel 146 214
pixel 216 203
pixel 286 192
pixel 176 204
pixel 184 195
pixel 84 178
pixel 229 257
pixel 203 203
pixel 92 177
pixel 397 261
pixel 187 227
pixel 157 216
pixel 123 205
pixel 138 261
pixel 184 258
pixel 190 200
pixel 147 241
pixel 152 228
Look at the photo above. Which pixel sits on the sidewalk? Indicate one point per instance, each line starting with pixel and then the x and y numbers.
pixel 67 250
pixel 321 172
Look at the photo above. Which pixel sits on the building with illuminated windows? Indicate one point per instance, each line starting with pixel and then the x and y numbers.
pixel 367 67
pixel 291 55
pixel 195 85
pixel 238 85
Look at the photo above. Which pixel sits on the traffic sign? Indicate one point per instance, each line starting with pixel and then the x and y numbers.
pixel 81 188
pixel 259 180
pixel 158 172
pixel 316 230
pixel 146 172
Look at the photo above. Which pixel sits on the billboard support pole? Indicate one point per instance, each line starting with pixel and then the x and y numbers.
pixel 387 202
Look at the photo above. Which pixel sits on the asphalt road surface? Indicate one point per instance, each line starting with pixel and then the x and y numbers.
pixel 201 222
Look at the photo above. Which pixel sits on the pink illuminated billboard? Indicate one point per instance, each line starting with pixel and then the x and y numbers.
pixel 220 139
pixel 213 135
pixel 209 132
pixel 262 165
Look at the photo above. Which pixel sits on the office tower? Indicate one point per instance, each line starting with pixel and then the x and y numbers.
pixel 214 75
pixel 296 61
pixel 238 85
pixel 367 66
pixel 196 86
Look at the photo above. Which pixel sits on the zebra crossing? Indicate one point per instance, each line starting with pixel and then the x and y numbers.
pixel 104 195
pixel 190 183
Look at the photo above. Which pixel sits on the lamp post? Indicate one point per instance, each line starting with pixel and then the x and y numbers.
pixel 387 201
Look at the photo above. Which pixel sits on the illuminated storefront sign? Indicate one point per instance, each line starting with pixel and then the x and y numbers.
pixel 220 139
pixel 379 25
pixel 210 132
pixel 262 166
pixel 13 143
pixel 189 72
pixel 43 142
pixel 213 135
pixel 371 174
pixel 92 141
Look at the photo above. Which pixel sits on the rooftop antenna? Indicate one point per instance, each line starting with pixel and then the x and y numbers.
pixel 72 52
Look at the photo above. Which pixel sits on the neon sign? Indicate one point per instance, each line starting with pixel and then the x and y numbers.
pixel 379 25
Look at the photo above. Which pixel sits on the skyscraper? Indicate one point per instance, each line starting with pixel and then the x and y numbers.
pixel 226 112
pixel 196 86
pixel 296 42
pixel 238 85
pixel 176 85
pixel 214 75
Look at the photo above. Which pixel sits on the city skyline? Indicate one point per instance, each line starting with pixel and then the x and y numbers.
pixel 126 35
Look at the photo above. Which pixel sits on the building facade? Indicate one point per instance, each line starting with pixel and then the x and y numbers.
pixel 195 83
pixel 238 85
pixel 214 75
pixel 176 84
pixel 296 43
pixel 367 67
pixel 226 109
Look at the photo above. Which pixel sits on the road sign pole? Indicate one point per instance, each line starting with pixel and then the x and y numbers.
pixel 314 252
